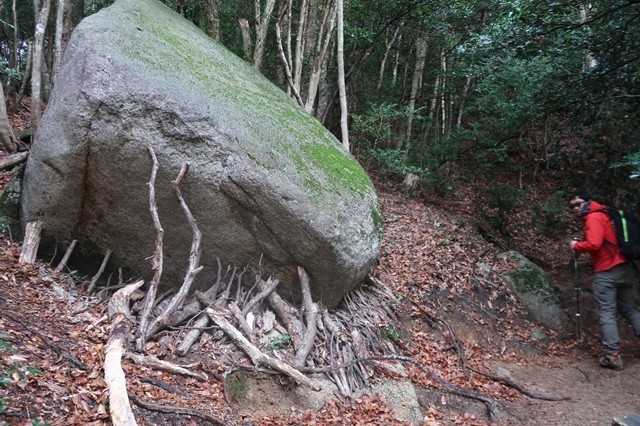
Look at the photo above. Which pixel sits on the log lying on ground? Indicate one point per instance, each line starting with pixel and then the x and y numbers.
pixel 120 316
pixel 200 322
pixel 13 159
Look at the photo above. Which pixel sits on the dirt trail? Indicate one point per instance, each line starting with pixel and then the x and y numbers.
pixel 596 395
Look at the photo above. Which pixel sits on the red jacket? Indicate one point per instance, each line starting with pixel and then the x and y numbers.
pixel 599 239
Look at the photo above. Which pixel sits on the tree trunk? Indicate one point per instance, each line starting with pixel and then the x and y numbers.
pixel 284 24
pixel 212 19
pixel 322 48
pixel 7 138
pixel 324 90
pixel 589 60
pixel 421 53
pixel 262 23
pixel 388 44
pixel 300 46
pixel 287 68
pixel 13 55
pixel 396 62
pixel 443 105
pixel 246 38
pixel 341 83
pixel 36 78
pixel 63 31
pixel 463 100
pixel 27 73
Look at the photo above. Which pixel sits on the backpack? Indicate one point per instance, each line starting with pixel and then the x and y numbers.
pixel 626 225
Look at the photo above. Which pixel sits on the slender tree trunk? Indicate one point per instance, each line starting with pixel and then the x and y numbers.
pixel 589 60
pixel 388 45
pixel 27 72
pixel 13 55
pixel 261 32
pixel 323 42
pixel 13 58
pixel 396 62
pixel 212 19
pixel 300 45
pixel 443 93
pixel 287 67
pixel 344 129
pixel 289 23
pixel 421 54
pixel 7 138
pixel 63 31
pixel 245 29
pixel 36 78
pixel 463 101
pixel 283 27
pixel 324 89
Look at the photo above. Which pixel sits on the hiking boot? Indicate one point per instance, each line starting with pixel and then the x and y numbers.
pixel 613 362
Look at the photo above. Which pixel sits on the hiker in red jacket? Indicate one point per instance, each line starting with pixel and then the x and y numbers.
pixel 614 276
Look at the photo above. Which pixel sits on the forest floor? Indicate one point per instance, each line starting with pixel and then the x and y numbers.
pixel 65 339
pixel 459 319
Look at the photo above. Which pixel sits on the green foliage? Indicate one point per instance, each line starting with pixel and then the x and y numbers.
pixel 392 161
pixel 95 6
pixel 502 201
pixel 551 217
pixel 237 385
pixel 630 160
pixel 378 126
pixel 4 344
pixel 281 341
pixel 435 156
pixel 391 334
pixel 505 106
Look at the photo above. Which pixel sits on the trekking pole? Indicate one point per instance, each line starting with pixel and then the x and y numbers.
pixel 577 289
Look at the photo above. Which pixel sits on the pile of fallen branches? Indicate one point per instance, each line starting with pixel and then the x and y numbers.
pixel 267 330
pixel 346 345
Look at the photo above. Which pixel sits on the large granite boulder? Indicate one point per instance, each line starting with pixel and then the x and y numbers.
pixel 268 185
pixel 536 291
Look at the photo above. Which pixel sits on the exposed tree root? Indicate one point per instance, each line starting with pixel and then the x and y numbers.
pixel 461 358
pixel 510 383
pixel 177 410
